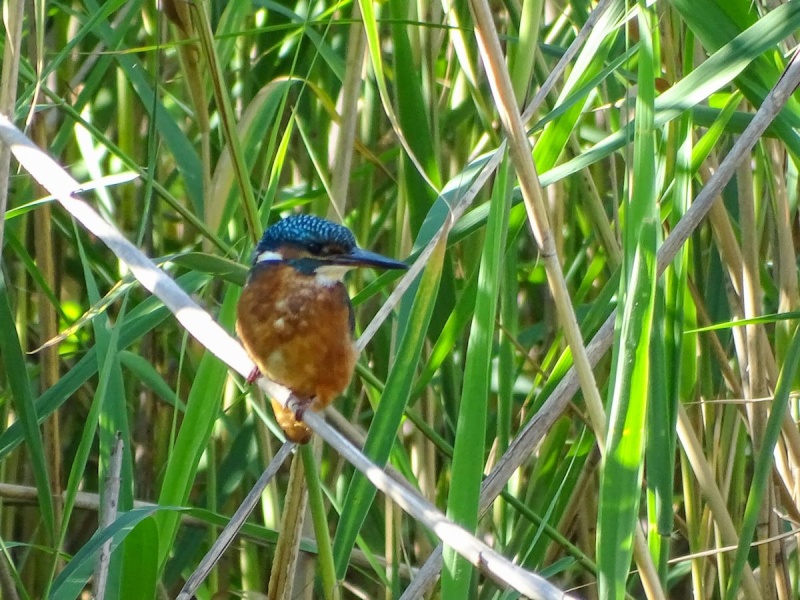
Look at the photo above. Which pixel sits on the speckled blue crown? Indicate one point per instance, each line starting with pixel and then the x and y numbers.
pixel 305 230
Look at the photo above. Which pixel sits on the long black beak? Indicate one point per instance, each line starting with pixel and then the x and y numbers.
pixel 359 257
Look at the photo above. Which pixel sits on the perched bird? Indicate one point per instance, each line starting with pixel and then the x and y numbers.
pixel 295 318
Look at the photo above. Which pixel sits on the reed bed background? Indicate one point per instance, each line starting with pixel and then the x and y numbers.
pixel 559 373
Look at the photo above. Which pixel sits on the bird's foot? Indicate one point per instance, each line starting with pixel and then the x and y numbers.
pixel 299 406
pixel 254 374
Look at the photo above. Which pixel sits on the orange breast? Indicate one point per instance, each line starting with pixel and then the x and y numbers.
pixel 298 332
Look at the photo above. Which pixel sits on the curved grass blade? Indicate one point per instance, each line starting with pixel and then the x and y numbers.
pixel 383 432
pixel 71 581
pixel 202 410
pixel 623 460
pixel 467 469
pixel 17 373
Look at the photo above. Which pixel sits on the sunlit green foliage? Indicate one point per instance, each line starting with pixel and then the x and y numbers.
pixel 195 124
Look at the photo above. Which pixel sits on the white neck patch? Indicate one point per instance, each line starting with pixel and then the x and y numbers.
pixel 268 256
pixel 329 275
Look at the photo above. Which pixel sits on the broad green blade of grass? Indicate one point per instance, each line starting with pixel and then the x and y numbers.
pixel 333 61
pixel 26 411
pixel 236 470
pixel 412 112
pixel 202 410
pixel 622 466
pixel 449 336
pixel 469 448
pixel 673 382
pixel 589 63
pixel 388 416
pixel 621 471
pixel 316 505
pixel 232 23
pixel 219 268
pixel 140 562
pixel 72 580
pixel 374 45
pixel 507 368
pixel 521 56
pixel 706 144
pixel 521 60
pixel 588 88
pixel 660 446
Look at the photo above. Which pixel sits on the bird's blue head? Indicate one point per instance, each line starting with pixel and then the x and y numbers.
pixel 316 246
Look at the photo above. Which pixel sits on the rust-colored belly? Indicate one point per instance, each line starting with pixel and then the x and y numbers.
pixel 298 333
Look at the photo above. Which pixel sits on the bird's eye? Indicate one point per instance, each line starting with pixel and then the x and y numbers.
pixel 331 249
pixel 320 249
pixel 327 250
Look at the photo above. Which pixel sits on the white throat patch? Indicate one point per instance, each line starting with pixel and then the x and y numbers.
pixel 329 275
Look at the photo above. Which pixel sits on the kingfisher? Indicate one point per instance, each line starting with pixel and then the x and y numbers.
pixel 295 318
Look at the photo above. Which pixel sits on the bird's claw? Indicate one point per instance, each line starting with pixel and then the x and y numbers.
pixel 254 374
pixel 299 406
